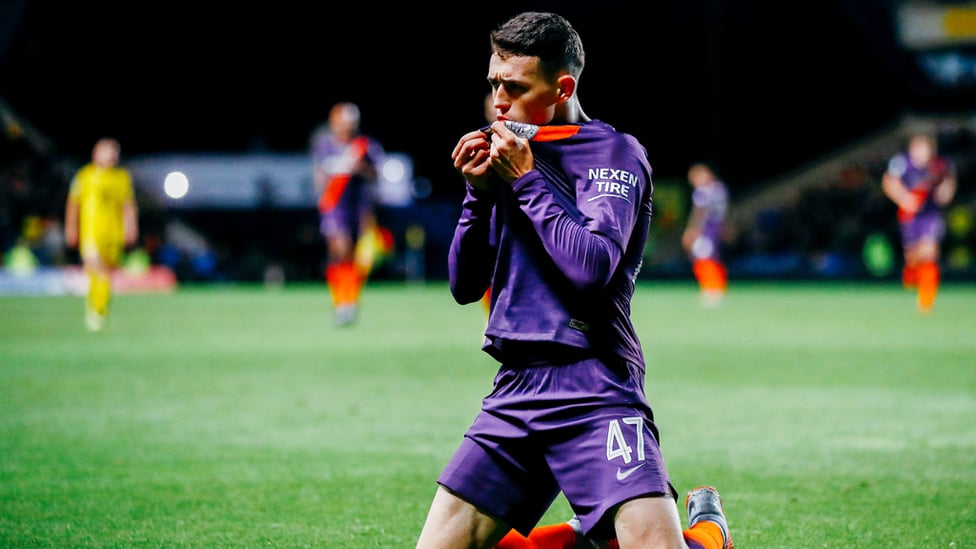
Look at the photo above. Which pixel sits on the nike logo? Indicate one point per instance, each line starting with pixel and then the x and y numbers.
pixel 621 475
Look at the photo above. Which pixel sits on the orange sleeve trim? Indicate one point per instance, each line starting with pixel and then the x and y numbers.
pixel 555 133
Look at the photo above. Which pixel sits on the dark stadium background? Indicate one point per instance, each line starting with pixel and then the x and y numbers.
pixel 758 88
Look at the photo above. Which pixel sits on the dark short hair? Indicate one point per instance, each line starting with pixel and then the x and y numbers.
pixel 548 36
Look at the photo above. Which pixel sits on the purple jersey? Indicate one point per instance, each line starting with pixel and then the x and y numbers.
pixel 920 180
pixel 351 195
pixel 568 244
pixel 926 223
pixel 710 203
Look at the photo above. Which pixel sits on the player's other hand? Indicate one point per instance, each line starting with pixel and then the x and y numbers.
pixel 470 156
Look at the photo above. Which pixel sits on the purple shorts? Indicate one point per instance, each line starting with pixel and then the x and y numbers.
pixel 583 428
pixel 335 223
pixel 346 218
pixel 341 222
pixel 924 226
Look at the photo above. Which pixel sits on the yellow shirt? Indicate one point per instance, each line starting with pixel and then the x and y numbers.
pixel 101 194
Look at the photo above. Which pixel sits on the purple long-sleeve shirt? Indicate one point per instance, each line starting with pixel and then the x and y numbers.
pixel 920 179
pixel 561 246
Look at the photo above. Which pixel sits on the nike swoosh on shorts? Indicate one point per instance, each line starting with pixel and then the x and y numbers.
pixel 621 475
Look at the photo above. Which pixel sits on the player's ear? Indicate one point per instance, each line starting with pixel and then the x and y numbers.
pixel 567 87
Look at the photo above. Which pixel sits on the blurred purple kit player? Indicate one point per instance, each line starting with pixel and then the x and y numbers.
pixel 345 165
pixel 921 183
pixel 702 238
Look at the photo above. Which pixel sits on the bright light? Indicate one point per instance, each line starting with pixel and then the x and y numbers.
pixel 393 169
pixel 176 184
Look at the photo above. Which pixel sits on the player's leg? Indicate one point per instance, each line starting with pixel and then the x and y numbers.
pixel 921 238
pixel 649 522
pixel 453 522
pixel 909 275
pixel 654 522
pixel 96 260
pixel 341 272
pixel 497 474
pixel 720 280
pixel 605 454
pixel 712 279
pixel 97 300
pixel 909 271
pixel 926 255
pixel 707 526
pixel 610 466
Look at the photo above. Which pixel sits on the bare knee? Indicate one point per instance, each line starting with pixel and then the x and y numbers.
pixel 453 523
pixel 649 522
pixel 926 251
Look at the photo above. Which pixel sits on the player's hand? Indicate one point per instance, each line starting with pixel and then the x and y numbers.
pixel 510 156
pixel 911 202
pixel 470 158
pixel 944 192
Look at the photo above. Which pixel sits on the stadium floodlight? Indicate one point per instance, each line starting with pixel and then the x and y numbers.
pixel 176 185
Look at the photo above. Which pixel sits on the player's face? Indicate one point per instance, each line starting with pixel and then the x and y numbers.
pixel 106 154
pixel 521 91
pixel 921 151
pixel 699 175
pixel 344 123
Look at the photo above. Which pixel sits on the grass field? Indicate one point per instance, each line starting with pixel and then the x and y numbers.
pixel 829 416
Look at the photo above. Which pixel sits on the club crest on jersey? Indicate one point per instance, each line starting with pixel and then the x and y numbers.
pixel 613 183
pixel 522 129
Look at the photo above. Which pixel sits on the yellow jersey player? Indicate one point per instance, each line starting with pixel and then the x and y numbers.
pixel 101 219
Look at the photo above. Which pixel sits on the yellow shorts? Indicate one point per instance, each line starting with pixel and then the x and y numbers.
pixel 108 253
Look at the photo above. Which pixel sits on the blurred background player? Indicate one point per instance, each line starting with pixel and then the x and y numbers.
pixel 702 237
pixel 921 183
pixel 101 219
pixel 345 169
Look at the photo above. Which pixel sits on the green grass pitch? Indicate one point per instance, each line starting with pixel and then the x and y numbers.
pixel 829 416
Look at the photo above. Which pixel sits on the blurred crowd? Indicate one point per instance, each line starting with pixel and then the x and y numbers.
pixel 32 192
